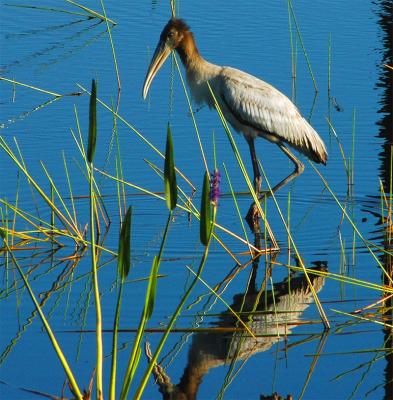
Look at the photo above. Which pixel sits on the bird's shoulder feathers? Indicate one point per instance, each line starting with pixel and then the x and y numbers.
pixel 260 106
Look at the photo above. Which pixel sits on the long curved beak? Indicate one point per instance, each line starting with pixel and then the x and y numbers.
pixel 160 55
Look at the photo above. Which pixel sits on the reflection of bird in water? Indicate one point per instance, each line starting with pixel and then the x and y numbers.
pixel 252 106
pixel 270 316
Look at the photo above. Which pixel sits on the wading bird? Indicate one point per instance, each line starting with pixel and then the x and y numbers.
pixel 252 106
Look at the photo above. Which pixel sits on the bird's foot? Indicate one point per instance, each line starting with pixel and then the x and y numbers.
pixel 252 218
pixel 264 194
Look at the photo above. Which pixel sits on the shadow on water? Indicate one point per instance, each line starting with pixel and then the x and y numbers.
pixel 270 314
pixel 40 264
pixel 58 51
pixel 384 217
pixel 385 124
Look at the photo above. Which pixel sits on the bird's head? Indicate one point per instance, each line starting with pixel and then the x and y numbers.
pixel 171 38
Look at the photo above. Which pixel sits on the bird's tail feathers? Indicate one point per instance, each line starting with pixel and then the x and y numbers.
pixel 311 145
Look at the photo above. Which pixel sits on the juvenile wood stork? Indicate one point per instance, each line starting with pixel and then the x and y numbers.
pixel 252 106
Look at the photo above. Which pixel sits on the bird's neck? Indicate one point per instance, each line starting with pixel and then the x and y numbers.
pixel 188 51
pixel 198 69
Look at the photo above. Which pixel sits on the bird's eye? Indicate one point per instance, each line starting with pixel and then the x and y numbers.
pixel 171 34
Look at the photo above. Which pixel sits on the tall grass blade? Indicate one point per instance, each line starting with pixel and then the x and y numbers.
pixel 112 45
pixel 2 78
pixel 192 113
pixel 97 300
pixel 123 266
pixel 93 213
pixel 303 46
pixel 236 206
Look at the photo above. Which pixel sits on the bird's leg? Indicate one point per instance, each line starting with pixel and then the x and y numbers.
pixel 299 168
pixel 252 215
pixel 255 166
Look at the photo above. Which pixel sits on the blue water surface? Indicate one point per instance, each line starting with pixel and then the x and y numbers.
pixel 61 53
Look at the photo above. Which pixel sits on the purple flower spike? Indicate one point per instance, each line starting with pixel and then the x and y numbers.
pixel 215 187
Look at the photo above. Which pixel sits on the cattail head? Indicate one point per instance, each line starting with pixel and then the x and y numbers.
pixel 215 187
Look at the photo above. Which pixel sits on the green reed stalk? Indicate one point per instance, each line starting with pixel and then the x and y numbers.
pixel 81 147
pixel 4 234
pixel 52 214
pixel 347 166
pixel 2 78
pixel 353 180
pixel 145 316
pixel 54 191
pixel 343 262
pixel 383 323
pixel 192 113
pixel 171 194
pixel 316 356
pixel 206 234
pixel 340 278
pixel 236 205
pixel 92 140
pixel 303 46
pixel 353 147
pixel 93 13
pixel 293 54
pixel 16 206
pixel 173 7
pixel 329 68
pixel 114 129
pixel 123 269
pixel 391 181
pixel 99 359
pixel 69 187
pixel 112 45
pixel 121 194
pixel 289 228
